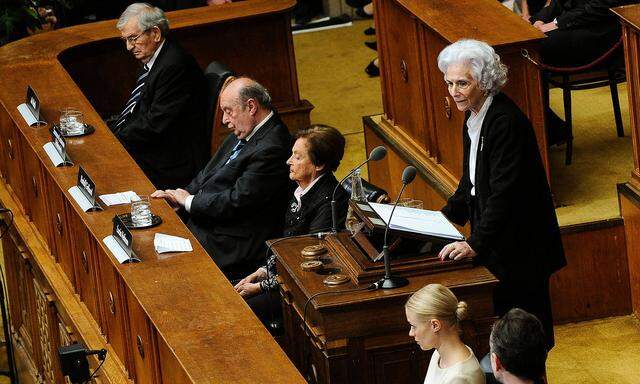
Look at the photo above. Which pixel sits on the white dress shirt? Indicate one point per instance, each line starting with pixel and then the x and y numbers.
pixel 155 55
pixel 189 199
pixel 474 125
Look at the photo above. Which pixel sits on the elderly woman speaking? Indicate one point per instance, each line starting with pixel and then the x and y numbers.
pixel 503 191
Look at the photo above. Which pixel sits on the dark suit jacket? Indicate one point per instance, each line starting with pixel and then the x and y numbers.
pixel 238 206
pixel 166 134
pixel 315 213
pixel 514 228
pixel 578 13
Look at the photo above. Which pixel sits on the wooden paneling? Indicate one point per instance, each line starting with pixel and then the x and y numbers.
pixel 58 209
pixel 630 207
pixel 595 283
pixel 35 194
pixel 11 156
pixel 142 340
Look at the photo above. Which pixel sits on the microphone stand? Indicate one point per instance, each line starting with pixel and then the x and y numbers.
pixel 389 281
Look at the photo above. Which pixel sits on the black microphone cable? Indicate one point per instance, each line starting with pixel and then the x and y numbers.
pixel 5 210
pixel 102 356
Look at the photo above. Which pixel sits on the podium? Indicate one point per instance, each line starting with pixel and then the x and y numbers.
pixel 347 334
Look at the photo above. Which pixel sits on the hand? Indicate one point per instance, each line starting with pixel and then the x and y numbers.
pixel 179 195
pixel 538 24
pixel 259 275
pixel 217 2
pixel 457 251
pixel 248 290
pixel 159 194
pixel 526 17
pixel 547 27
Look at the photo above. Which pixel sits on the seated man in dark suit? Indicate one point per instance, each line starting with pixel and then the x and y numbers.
pixel 578 31
pixel 238 200
pixel 163 122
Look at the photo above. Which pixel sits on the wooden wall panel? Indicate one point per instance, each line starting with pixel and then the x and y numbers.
pixel 630 207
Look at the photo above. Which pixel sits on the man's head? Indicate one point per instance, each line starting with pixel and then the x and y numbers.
pixel 518 347
pixel 143 28
pixel 244 103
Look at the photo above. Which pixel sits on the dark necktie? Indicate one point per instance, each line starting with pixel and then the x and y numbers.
pixel 135 96
pixel 236 150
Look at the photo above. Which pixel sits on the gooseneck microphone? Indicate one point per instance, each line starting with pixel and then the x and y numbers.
pixel 389 281
pixel 377 153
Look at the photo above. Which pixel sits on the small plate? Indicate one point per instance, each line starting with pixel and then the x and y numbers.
pixel 88 129
pixel 126 219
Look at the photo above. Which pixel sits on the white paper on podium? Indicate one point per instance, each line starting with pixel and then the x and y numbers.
pixel 119 198
pixel 26 114
pixel 424 221
pixel 55 157
pixel 167 243
pixel 115 249
pixel 80 198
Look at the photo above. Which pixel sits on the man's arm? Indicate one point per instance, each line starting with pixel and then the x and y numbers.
pixel 590 13
pixel 170 102
pixel 548 13
pixel 264 178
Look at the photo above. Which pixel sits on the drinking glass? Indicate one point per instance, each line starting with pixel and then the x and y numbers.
pixel 72 122
pixel 141 212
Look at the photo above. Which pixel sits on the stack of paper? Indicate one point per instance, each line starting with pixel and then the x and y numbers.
pixel 432 223
pixel 119 198
pixel 167 243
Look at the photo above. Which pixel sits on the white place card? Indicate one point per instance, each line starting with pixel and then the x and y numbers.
pixel 53 154
pixel 119 198
pixel 116 249
pixel 167 243
pixel 27 115
pixel 80 198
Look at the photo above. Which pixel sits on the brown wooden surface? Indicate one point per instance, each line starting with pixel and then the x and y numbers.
pixel 362 336
pixel 630 18
pixel 188 316
pixel 420 118
pixel 630 207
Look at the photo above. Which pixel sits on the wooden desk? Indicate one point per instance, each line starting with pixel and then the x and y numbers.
pixel 363 337
pixel 172 318
pixel 420 123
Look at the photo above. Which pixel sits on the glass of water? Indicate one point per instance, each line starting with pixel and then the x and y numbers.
pixel 141 212
pixel 72 122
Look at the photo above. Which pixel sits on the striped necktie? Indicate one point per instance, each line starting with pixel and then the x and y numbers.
pixel 236 150
pixel 135 96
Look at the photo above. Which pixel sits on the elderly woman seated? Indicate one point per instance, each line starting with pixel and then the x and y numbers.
pixel 316 154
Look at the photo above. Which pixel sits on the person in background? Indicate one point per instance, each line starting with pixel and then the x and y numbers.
pixel 518 349
pixel 503 190
pixel 316 154
pixel 163 123
pixel 434 313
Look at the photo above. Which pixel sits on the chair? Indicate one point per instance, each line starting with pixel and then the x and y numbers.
pixel 608 69
pixel 218 76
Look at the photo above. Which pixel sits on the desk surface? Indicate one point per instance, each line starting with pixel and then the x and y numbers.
pixel 206 324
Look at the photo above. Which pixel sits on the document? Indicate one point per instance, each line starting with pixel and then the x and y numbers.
pixel 27 115
pixel 119 198
pixel 53 154
pixel 167 243
pixel 80 198
pixel 431 223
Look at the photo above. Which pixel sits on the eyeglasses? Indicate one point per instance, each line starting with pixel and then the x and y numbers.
pixel 460 84
pixel 133 39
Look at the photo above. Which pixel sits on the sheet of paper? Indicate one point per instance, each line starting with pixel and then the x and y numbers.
pixel 116 249
pixel 80 198
pixel 119 198
pixel 167 243
pixel 424 221
pixel 53 154
pixel 26 114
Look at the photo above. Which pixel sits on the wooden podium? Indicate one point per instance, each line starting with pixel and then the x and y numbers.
pixel 347 334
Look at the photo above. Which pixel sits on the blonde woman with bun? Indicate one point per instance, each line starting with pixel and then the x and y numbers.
pixel 434 313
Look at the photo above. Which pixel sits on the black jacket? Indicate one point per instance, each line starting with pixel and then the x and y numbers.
pixel 514 228
pixel 167 134
pixel 315 213
pixel 238 206
pixel 579 13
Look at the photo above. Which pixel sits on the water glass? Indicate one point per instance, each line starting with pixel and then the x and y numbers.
pixel 141 212
pixel 72 122
pixel 415 204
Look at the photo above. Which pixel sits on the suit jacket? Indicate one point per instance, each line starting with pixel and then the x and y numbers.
pixel 514 229
pixel 579 13
pixel 167 133
pixel 315 213
pixel 238 206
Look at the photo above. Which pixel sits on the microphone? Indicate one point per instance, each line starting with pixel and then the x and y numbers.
pixel 389 281
pixel 377 153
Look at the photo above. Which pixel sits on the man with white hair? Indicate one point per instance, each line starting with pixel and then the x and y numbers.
pixel 163 122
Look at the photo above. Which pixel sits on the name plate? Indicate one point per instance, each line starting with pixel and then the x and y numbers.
pixel 87 187
pixel 123 237
pixel 30 109
pixel 60 144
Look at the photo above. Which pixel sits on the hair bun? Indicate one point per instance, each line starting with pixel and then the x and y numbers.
pixel 461 310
